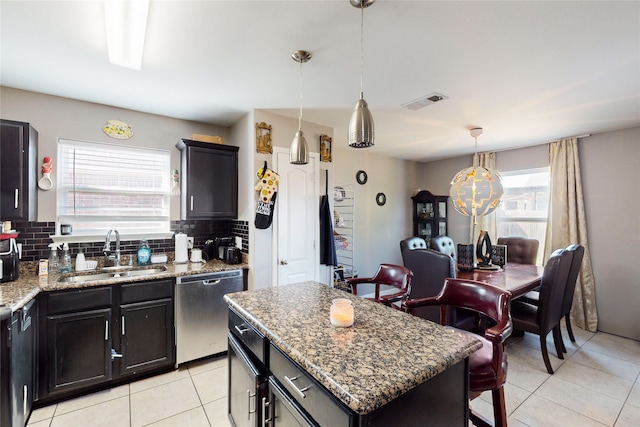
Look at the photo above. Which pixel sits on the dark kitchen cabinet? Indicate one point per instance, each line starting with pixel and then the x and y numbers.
pixel 17 353
pixel 209 186
pixel 18 171
pixel 429 215
pixel 95 336
pixel 146 326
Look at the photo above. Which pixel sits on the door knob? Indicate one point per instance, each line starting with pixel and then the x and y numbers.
pixel 284 262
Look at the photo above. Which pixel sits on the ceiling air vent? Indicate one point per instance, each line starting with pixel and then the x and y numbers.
pixel 421 102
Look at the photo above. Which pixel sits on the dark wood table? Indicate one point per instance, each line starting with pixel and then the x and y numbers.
pixel 517 278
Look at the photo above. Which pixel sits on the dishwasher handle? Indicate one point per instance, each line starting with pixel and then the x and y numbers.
pixel 211 281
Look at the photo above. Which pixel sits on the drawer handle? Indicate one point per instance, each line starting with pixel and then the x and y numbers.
pixel 255 407
pixel 298 390
pixel 240 330
pixel 265 420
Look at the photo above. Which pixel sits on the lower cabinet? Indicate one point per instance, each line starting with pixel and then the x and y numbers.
pixel 92 336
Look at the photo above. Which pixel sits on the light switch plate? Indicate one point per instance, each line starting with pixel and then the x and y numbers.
pixel 189 242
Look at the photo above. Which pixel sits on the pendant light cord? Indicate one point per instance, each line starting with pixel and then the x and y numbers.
pixel 300 115
pixel 361 52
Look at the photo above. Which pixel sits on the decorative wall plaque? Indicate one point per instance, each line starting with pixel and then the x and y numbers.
pixel 325 148
pixel 263 138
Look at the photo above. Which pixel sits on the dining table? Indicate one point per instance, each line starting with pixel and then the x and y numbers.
pixel 516 278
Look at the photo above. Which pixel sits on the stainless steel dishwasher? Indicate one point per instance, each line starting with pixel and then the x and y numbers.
pixel 202 314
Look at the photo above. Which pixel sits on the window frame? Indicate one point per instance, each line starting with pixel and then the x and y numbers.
pixel 125 224
pixel 501 219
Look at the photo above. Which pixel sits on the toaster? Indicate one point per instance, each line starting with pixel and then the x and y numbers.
pixel 232 255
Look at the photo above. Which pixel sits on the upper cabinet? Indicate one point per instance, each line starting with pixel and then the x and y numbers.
pixel 429 215
pixel 209 187
pixel 18 171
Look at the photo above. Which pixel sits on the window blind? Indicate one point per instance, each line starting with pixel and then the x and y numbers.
pixel 105 186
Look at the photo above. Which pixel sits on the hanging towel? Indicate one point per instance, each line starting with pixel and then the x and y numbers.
pixel 327 246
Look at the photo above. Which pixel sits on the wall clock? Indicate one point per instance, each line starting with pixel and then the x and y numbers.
pixel 381 199
pixel 361 177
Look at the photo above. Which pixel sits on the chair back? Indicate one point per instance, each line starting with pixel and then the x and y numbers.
pixel 445 245
pixel 490 301
pixel 411 243
pixel 520 249
pixel 576 263
pixel 552 290
pixel 393 275
pixel 430 269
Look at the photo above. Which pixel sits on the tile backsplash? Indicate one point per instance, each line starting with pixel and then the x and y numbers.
pixel 35 239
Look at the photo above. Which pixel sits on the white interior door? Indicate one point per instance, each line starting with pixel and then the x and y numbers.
pixel 298 212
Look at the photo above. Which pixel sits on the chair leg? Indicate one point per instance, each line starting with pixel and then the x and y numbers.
pixel 557 341
pixel 569 330
pixel 499 407
pixel 545 355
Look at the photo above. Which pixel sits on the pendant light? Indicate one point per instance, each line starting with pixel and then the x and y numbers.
pixel 299 150
pixel 361 128
pixel 476 191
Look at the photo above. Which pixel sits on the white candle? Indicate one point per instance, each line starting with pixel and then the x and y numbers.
pixel 341 312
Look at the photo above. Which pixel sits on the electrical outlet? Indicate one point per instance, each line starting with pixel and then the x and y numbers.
pixel 190 242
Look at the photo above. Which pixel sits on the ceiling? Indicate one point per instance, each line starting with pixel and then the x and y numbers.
pixel 528 72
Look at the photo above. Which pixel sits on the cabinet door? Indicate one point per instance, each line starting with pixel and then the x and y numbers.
pixel 245 387
pixel 147 338
pixel 17 171
pixel 79 349
pixel 212 183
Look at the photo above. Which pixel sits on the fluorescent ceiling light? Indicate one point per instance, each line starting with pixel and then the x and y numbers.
pixel 126 22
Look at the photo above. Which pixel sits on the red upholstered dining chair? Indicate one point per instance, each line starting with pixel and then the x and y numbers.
pixel 392 275
pixel 487 366
pixel 545 317
pixel 520 249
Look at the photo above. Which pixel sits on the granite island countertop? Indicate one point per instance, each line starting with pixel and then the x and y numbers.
pixel 19 292
pixel 383 355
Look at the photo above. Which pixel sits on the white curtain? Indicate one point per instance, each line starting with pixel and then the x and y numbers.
pixel 567 225
pixel 485 222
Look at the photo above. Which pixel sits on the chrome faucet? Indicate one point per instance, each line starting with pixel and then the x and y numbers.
pixel 107 248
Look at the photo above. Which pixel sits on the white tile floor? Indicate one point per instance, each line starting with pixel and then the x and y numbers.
pixel 596 385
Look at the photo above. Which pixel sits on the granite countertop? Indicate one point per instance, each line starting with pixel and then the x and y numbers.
pixel 19 292
pixel 383 355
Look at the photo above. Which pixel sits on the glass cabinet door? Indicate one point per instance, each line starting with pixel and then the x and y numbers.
pixel 424 210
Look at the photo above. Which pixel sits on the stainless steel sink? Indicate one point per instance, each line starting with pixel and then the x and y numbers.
pixel 114 274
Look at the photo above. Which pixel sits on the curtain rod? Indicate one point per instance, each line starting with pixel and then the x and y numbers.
pixel 586 135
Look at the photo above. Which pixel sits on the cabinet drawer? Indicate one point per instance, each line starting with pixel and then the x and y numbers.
pixel 146 291
pixel 248 336
pixel 307 392
pixel 78 300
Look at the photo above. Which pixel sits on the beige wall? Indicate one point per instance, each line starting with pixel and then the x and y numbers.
pixel 610 163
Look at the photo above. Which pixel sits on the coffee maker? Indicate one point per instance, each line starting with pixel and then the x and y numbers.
pixel 9 258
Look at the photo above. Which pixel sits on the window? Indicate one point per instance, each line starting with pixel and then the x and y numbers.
pixel 524 207
pixel 104 186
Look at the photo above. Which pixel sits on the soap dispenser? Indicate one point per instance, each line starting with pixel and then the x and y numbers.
pixel 53 258
pixel 65 261
pixel 81 262
pixel 144 253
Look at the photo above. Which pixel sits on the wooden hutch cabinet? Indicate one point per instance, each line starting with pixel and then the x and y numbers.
pixel 429 215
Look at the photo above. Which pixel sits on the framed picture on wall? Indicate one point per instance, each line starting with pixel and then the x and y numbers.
pixel 325 148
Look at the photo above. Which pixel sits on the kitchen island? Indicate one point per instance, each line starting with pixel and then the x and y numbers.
pixel 388 367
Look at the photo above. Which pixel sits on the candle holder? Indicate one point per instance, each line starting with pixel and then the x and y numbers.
pixel 341 312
